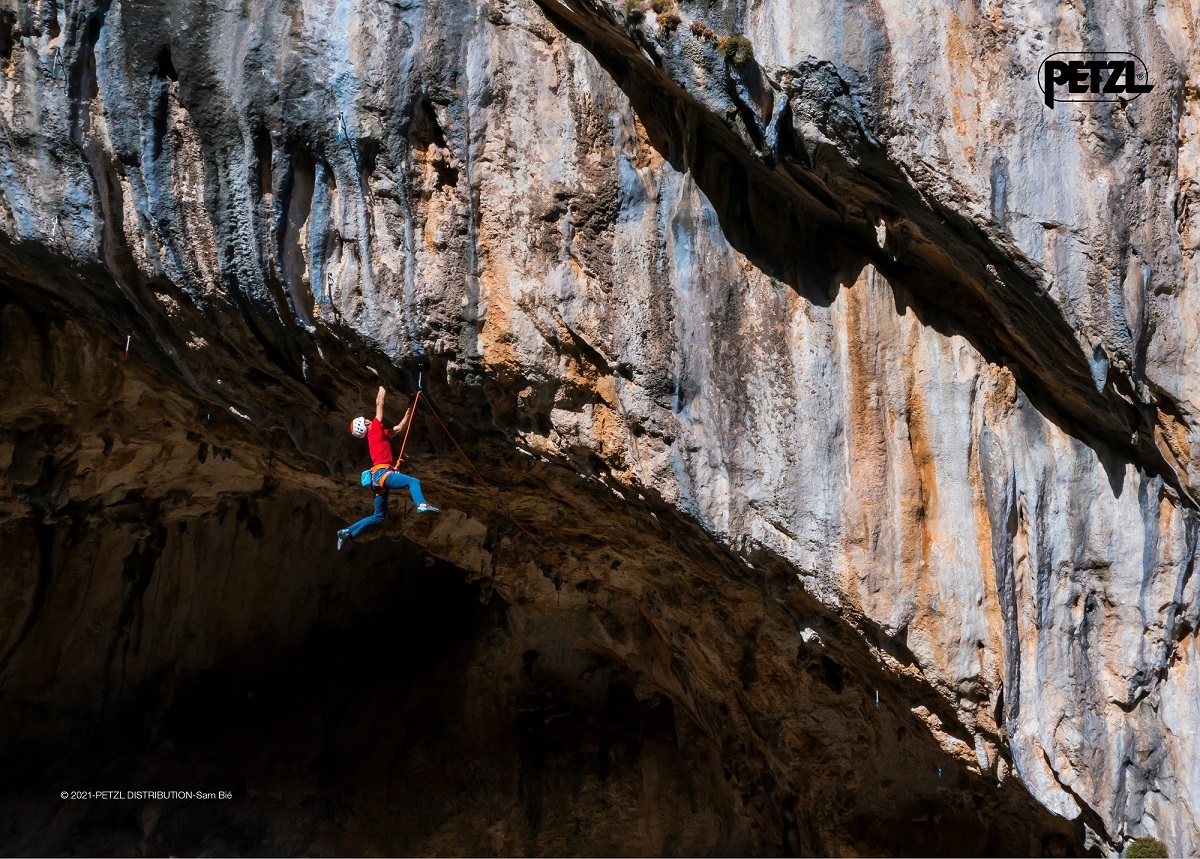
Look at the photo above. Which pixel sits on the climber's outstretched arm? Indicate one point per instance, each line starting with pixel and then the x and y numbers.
pixel 379 404
pixel 403 425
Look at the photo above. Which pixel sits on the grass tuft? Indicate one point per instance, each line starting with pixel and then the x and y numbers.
pixel 737 49
pixel 1146 848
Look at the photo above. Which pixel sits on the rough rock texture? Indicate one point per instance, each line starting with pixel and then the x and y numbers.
pixel 851 391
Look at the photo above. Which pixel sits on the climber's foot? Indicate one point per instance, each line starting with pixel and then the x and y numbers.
pixel 425 508
pixel 343 536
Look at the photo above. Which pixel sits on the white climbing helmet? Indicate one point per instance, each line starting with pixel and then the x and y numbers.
pixel 359 427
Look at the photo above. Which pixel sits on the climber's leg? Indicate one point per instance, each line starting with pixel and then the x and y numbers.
pixel 375 520
pixel 396 480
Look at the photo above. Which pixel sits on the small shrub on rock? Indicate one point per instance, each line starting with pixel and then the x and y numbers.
pixel 737 49
pixel 702 32
pixel 668 21
pixel 1146 848
pixel 634 10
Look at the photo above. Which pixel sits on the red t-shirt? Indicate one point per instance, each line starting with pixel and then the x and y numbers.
pixel 377 440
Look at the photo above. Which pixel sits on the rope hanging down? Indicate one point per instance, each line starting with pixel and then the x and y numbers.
pixel 412 413
pixel 479 477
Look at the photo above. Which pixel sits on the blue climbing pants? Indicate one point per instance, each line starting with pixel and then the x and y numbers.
pixel 392 480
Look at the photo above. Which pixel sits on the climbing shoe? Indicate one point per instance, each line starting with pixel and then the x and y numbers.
pixel 425 508
pixel 343 536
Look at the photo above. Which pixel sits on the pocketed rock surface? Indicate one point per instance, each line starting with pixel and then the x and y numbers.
pixel 819 461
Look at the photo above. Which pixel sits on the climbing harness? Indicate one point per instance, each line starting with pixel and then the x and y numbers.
pixel 369 480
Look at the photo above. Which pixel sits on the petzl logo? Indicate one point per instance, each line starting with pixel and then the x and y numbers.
pixel 1092 76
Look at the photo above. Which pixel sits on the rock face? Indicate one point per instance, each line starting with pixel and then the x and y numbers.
pixel 849 393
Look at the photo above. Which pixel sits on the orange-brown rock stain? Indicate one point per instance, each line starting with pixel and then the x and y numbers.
pixel 920 507
pixel 960 63
pixel 1171 436
pixel 867 447
pixel 608 426
pixel 495 327
pixel 645 155
pixel 995 395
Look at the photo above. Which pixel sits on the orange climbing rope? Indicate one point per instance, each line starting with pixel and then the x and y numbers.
pixel 485 485
pixel 412 413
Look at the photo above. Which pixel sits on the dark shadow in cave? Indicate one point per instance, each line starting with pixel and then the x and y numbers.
pixel 424 717
pixel 258 728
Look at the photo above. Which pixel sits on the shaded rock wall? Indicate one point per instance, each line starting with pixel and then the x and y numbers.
pixel 201 630
pixel 828 364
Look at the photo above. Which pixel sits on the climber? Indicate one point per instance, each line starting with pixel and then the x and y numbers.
pixel 382 476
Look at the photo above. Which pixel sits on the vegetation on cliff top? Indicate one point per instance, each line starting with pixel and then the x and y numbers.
pixel 737 49
pixel 1146 848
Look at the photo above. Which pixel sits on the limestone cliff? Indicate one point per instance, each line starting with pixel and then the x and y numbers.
pixel 851 392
